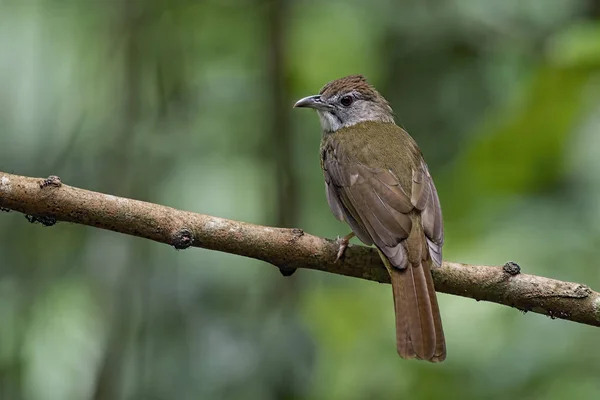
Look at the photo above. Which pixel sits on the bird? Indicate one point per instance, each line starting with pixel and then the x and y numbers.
pixel 377 181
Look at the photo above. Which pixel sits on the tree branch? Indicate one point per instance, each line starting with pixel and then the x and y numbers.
pixel 47 201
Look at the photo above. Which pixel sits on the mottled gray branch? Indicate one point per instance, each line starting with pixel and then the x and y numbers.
pixel 48 200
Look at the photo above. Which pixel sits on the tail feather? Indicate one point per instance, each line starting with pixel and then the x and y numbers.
pixel 419 331
pixel 404 344
pixel 440 348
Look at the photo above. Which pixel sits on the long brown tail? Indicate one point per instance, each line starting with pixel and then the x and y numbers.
pixel 419 332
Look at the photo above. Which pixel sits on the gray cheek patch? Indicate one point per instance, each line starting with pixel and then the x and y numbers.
pixel 361 110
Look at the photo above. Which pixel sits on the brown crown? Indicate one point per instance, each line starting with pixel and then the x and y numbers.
pixel 349 83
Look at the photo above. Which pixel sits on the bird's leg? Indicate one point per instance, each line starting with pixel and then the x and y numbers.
pixel 343 242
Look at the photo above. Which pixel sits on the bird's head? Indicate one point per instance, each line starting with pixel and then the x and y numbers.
pixel 346 102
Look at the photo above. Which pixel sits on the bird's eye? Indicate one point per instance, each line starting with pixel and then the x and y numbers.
pixel 346 101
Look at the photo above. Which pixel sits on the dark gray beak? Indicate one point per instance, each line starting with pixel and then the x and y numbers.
pixel 312 102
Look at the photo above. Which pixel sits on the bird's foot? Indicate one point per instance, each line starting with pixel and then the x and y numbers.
pixel 343 242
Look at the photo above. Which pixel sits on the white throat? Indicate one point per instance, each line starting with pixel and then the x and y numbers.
pixel 329 122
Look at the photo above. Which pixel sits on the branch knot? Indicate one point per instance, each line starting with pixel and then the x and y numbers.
pixel 512 268
pixel 182 239
pixel 52 180
pixel 46 220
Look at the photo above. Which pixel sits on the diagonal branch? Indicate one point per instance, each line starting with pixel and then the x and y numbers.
pixel 48 201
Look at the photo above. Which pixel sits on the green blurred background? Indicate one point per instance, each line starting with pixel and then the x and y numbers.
pixel 189 104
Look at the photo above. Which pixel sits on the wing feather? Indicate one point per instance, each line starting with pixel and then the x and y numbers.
pixel 425 199
pixel 371 200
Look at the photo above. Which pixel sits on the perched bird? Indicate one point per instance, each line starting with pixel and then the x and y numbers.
pixel 378 183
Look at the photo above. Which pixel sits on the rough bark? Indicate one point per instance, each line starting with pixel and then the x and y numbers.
pixel 48 200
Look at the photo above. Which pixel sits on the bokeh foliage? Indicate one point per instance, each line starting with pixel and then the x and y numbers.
pixel 188 103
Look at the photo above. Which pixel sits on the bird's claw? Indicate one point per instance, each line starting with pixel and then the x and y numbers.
pixel 343 242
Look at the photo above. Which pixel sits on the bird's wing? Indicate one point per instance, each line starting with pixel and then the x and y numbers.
pixel 370 200
pixel 425 199
pixel 374 204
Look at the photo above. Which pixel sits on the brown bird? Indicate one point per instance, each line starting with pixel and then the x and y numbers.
pixel 378 183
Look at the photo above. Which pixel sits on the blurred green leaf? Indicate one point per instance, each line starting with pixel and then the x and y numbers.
pixel 520 150
pixel 576 47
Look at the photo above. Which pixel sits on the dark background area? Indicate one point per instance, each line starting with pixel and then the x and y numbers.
pixel 189 104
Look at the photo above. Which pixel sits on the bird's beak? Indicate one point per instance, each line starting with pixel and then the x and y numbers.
pixel 312 102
